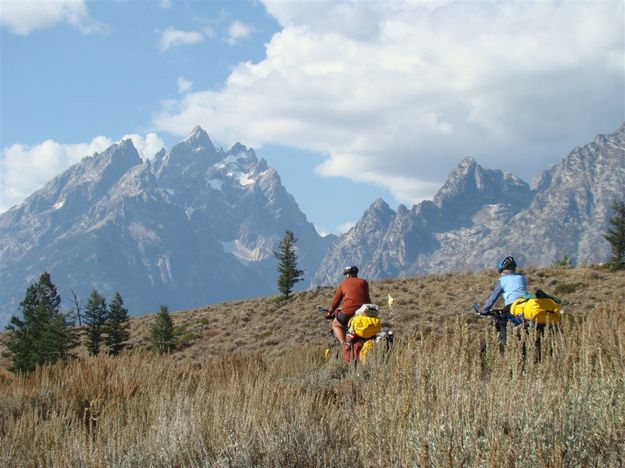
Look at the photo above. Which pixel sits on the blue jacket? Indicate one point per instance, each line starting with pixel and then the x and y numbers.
pixel 511 285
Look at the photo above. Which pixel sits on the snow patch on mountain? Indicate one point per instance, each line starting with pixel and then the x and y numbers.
pixel 242 252
pixel 216 184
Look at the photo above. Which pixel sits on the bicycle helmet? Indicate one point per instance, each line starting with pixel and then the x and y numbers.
pixel 350 270
pixel 507 263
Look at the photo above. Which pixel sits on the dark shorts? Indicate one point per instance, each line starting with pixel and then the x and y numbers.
pixel 343 318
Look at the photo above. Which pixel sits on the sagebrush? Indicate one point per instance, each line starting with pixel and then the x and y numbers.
pixel 446 399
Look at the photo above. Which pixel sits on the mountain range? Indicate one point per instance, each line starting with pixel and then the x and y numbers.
pixel 199 225
pixel 195 225
pixel 480 215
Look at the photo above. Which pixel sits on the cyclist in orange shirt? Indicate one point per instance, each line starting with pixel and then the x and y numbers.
pixel 353 292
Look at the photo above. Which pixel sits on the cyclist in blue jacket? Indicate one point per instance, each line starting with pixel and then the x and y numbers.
pixel 512 286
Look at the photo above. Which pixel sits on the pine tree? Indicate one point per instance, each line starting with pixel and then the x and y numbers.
pixel 117 326
pixel 287 266
pixel 94 319
pixel 43 335
pixel 162 332
pixel 616 235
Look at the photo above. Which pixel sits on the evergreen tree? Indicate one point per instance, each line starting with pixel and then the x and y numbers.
pixel 117 326
pixel 162 332
pixel 616 235
pixel 43 335
pixel 287 266
pixel 94 318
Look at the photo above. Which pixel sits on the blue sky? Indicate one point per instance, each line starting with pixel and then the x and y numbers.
pixel 349 100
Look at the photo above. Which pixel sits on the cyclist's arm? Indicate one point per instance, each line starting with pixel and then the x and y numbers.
pixel 493 298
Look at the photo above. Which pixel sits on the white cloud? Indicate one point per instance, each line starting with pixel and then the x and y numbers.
pixel 397 93
pixel 237 31
pixel 184 85
pixel 25 16
pixel 165 4
pixel 25 169
pixel 172 37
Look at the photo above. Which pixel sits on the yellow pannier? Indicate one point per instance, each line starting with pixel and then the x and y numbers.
pixel 368 346
pixel 364 326
pixel 543 311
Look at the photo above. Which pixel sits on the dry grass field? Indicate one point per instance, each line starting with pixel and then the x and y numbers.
pixel 422 305
pixel 248 386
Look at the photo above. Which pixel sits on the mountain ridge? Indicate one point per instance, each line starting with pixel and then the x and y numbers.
pixel 195 225
pixel 199 224
pixel 481 214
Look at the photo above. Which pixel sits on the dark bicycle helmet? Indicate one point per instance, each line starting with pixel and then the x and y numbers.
pixel 350 270
pixel 507 263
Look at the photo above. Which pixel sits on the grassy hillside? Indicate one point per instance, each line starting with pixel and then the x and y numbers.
pixel 422 305
pixel 249 387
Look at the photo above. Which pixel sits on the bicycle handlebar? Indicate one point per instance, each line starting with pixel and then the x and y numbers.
pixel 491 313
pixel 322 309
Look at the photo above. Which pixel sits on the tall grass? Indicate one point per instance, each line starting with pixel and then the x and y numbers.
pixel 439 400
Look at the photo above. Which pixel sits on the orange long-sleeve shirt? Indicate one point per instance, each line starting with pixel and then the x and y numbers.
pixel 354 292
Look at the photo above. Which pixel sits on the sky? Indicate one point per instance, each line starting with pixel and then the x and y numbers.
pixel 349 100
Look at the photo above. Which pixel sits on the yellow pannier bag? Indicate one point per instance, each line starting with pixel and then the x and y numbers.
pixel 364 326
pixel 368 346
pixel 543 311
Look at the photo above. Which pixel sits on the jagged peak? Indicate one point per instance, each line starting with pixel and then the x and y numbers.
pixel 469 184
pixel 402 210
pixel 379 209
pixel 123 151
pixel 604 138
pixel 262 165
pixel 196 150
pixel 197 139
pixel 241 153
pixel 238 148
pixel 198 133
pixel 468 163
pixel 379 204
pixel 126 144
pixel 461 176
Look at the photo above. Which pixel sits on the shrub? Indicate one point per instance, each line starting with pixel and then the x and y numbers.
pixel 567 288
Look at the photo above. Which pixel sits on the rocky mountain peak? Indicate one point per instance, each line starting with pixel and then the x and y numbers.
pixel 402 210
pixel 198 138
pixel 191 157
pixel 378 214
pixel 123 153
pixel 95 174
pixel 379 204
pixel 468 188
pixel 480 214
pixel 197 225
pixel 470 180
pixel 239 148
pixel 126 144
